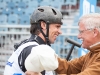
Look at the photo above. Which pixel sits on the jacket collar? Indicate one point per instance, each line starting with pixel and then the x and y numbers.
pixel 36 38
pixel 95 48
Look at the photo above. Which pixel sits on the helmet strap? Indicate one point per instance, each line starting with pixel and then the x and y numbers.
pixel 46 36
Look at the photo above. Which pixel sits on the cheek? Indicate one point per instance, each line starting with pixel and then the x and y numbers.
pixel 87 38
pixel 52 31
pixel 51 34
pixel 87 41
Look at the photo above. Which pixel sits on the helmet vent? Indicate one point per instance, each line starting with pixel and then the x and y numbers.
pixel 54 11
pixel 41 10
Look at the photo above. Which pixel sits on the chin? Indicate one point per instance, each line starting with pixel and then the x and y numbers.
pixel 52 42
pixel 83 46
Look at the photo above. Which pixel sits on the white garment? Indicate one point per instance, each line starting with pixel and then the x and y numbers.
pixel 12 65
pixel 42 57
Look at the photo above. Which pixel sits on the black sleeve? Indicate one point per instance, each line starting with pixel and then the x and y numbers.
pixel 23 55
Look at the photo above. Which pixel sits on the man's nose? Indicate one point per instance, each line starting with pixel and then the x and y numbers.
pixel 79 36
pixel 60 32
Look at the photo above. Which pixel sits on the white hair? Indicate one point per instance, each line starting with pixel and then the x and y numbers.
pixel 91 21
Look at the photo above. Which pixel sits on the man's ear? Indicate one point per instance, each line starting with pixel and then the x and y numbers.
pixel 96 32
pixel 43 25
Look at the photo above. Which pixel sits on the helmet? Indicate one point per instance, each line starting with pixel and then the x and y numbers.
pixel 47 14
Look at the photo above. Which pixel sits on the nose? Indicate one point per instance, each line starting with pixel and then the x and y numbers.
pixel 79 36
pixel 60 32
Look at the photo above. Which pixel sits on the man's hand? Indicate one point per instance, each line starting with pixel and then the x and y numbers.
pixel 32 73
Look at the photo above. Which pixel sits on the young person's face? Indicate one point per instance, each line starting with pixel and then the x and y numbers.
pixel 54 31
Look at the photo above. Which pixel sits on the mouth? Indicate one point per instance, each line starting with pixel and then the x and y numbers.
pixel 81 40
pixel 56 36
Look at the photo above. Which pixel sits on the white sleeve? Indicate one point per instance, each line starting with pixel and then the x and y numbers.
pixel 42 57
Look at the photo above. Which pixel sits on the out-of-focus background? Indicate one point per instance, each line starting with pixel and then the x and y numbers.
pixel 15 24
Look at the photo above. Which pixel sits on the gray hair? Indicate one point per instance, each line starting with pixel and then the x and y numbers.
pixel 91 21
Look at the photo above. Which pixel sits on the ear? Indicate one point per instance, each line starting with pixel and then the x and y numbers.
pixel 96 32
pixel 43 25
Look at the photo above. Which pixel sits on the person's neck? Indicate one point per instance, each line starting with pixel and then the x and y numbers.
pixel 40 35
